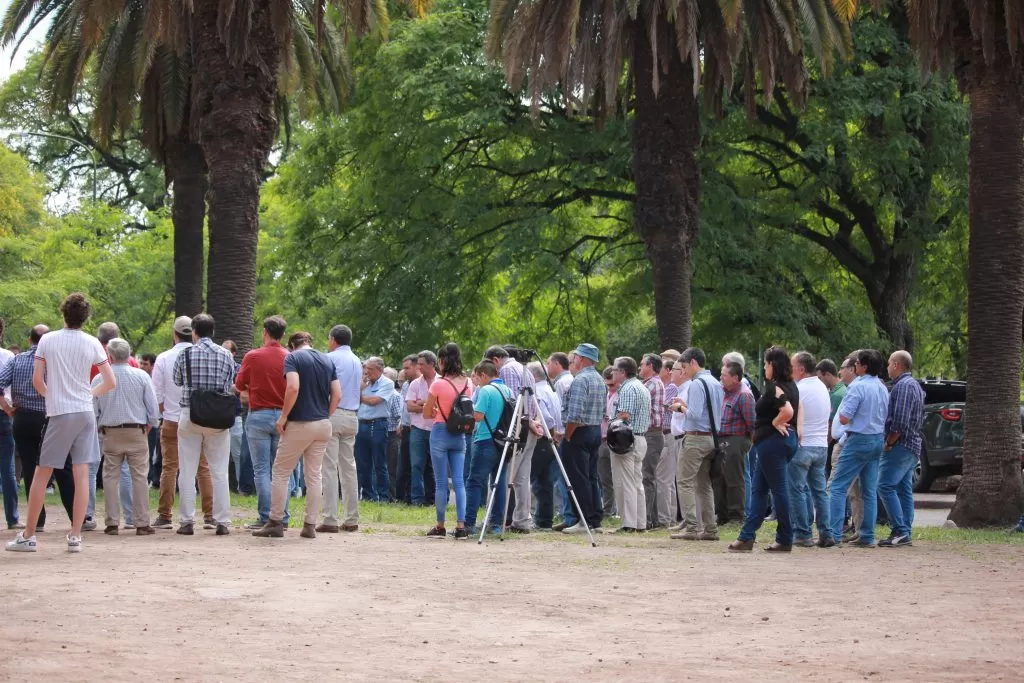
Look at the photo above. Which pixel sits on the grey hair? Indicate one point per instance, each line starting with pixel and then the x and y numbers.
pixel 536 370
pixel 734 357
pixel 391 374
pixel 119 350
pixel 107 332
pixel 375 361
pixel 903 358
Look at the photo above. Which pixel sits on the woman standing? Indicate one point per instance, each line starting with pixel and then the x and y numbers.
pixel 775 441
pixel 447 451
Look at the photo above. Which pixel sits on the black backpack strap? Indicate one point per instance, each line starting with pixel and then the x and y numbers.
pixel 711 412
pixel 188 369
pixel 458 392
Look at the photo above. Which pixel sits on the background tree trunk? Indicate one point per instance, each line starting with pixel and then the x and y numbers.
pixel 233 108
pixel 186 169
pixel 666 137
pixel 991 493
pixel 889 295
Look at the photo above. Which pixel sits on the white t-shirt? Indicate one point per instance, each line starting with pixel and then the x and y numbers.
pixel 69 357
pixel 815 406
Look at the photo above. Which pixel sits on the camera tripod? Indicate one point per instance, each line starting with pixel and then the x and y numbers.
pixel 526 395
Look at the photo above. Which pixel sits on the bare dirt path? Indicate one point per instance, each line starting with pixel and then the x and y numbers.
pixel 385 606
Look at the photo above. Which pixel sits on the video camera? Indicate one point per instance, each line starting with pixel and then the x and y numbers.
pixel 521 355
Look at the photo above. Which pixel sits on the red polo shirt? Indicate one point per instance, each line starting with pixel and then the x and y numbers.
pixel 262 375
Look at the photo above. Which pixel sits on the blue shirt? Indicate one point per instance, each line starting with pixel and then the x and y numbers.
pixel 383 389
pixel 906 412
pixel 696 418
pixel 865 406
pixel 17 374
pixel 490 401
pixel 350 375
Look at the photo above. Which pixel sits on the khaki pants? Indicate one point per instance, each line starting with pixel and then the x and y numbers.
pixel 693 479
pixel 340 466
pixel 306 440
pixel 169 474
pixel 131 445
pixel 523 467
pixel 856 501
pixel 628 474
pixel 665 480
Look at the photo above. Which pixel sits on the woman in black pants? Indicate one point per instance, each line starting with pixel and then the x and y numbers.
pixel 775 442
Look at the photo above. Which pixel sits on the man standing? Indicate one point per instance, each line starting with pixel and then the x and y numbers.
pixel 147 363
pixel 736 432
pixel 372 439
pixel 541 472
pixel 395 406
pixel 339 466
pixel 558 373
pixel 212 369
pixel 61 375
pixel 312 394
pixel 808 497
pixel 902 449
pixel 125 417
pixel 693 476
pixel 584 411
pixel 411 372
pixel 650 374
pixel 669 492
pixel 604 455
pixel 633 406
pixel 27 409
pixel 262 376
pixel 828 373
pixel 8 472
pixel 509 369
pixel 168 398
pixel 421 486
pixel 837 432
pixel 863 413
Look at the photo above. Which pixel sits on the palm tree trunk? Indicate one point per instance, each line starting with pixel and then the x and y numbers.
pixel 666 137
pixel 233 106
pixel 991 492
pixel 186 169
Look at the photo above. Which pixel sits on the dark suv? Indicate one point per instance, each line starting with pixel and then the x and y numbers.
pixel 942 451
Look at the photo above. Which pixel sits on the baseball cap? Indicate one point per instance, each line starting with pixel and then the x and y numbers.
pixel 588 351
pixel 183 325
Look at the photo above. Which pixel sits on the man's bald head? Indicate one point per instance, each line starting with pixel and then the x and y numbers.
pixel 903 360
pixel 37 333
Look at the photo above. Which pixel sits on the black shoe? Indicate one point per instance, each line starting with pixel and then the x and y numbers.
pixel 895 541
pixel 825 542
pixel 517 530
pixel 186 529
pixel 625 530
pixel 560 527
pixel 162 523
pixel 461 533
pixel 222 530
pixel 437 532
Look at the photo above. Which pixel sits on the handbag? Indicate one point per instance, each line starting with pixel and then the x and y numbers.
pixel 210 409
pixel 718 454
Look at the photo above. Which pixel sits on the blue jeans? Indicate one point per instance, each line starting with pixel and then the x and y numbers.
pixel 8 479
pixel 371 453
pixel 236 448
pixel 807 491
pixel 896 488
pixel 569 516
pixel 773 456
pixel 261 433
pixel 482 468
pixel 419 451
pixel 125 484
pixel 448 455
pixel 860 457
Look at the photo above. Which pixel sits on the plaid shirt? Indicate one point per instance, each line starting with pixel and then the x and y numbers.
pixel 671 391
pixel 17 374
pixel 213 369
pixel 738 412
pixel 906 412
pixel 585 402
pixel 395 404
pixel 656 388
pixel 132 401
pixel 634 398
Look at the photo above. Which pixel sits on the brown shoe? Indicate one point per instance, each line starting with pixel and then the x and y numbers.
pixel 779 548
pixel 350 527
pixel 328 528
pixel 308 531
pixel 272 529
pixel 738 546
pixel 111 530
pixel 709 536
pixel 686 536
pixel 144 531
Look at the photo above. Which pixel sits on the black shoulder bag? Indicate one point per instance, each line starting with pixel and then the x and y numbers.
pixel 718 455
pixel 210 409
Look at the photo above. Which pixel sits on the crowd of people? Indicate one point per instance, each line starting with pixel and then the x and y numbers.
pixel 662 442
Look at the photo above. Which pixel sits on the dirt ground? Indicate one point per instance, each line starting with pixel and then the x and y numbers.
pixel 379 605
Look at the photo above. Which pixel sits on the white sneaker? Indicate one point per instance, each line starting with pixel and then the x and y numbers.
pixel 575 529
pixel 129 526
pixel 89 525
pixel 74 544
pixel 20 544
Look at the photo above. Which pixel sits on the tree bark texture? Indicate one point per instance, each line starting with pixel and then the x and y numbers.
pixel 991 493
pixel 666 137
pixel 186 171
pixel 233 109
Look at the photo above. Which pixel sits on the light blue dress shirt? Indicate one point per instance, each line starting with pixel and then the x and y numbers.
pixel 350 374
pixel 384 389
pixel 696 418
pixel 866 406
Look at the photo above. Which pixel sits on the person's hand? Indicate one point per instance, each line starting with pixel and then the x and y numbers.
pixel 536 428
pixel 146 430
pixel 244 397
pixel 782 428
pixel 10 410
pixel 282 424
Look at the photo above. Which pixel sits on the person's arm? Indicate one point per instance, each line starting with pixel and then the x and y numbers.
pixel 38 383
pixel 374 400
pixel 430 407
pixel 897 423
pixel 415 405
pixel 335 396
pixel 97 409
pixel 6 379
pixel 159 386
pixel 291 392
pixel 153 411
pixel 850 404
pixel 747 408
pixel 109 381
pixel 799 427
pixel 242 378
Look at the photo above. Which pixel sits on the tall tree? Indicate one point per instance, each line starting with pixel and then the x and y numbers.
pixel 662 48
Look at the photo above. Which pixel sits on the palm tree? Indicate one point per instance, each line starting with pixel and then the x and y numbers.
pixel 649 57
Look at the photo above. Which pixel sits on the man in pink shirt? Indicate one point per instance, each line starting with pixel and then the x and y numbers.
pixel 421 487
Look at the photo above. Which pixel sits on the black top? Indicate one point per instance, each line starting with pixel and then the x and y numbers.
pixel 767 408
pixel 316 372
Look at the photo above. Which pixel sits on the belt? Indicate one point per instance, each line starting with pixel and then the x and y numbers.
pixel 666 432
pixel 698 433
pixel 104 428
pixel 370 421
pixel 346 410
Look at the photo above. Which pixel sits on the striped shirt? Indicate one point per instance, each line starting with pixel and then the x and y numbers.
pixel 656 388
pixel 132 402
pixel 168 394
pixel 213 369
pixel 562 384
pixel 395 404
pixel 69 356
pixel 906 412
pixel 6 357
pixel 17 375
pixel 406 417
pixel 585 401
pixel 634 399
pixel 671 391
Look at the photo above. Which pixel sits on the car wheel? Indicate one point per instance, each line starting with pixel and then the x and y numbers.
pixel 924 474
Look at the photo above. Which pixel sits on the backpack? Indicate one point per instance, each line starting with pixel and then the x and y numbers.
pixel 460 420
pixel 501 432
